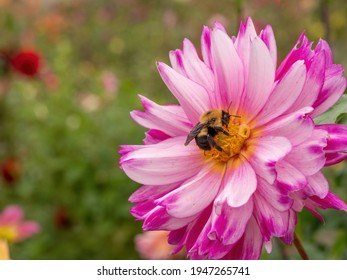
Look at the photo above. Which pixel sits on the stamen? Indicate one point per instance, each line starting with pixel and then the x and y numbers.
pixel 231 144
pixel 244 131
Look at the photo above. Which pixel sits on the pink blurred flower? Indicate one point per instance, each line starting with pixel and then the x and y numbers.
pixel 110 83
pixel 152 245
pixel 89 101
pixel 50 80
pixel 12 226
pixel 228 203
pixel 170 18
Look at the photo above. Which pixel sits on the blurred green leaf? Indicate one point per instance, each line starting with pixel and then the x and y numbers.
pixel 342 118
pixel 334 114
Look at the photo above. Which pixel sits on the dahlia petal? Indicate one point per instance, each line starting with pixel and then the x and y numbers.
pixel 246 35
pixel 28 229
pixel 268 38
pixel 314 212
pixel 330 201
pixel 334 158
pixel 337 137
pixel 159 219
pixel 299 200
pixel 207 246
pixel 228 71
pixel 214 249
pixel 249 246
pixel 271 221
pixel 196 69
pixel 333 88
pixel 192 97
pixel 153 136
pixel 170 119
pixel 206 46
pixel 176 60
pixel 324 46
pixel 261 74
pixel 195 228
pixel 195 256
pixel 230 224
pixel 288 89
pixel 301 51
pixel 179 237
pixel 11 215
pixel 313 149
pixel 313 84
pixel 265 152
pixel 141 210
pixel 268 246
pixel 247 30
pixel 317 185
pixel 218 25
pixel 126 149
pixel 163 163
pixel 288 238
pixel 275 196
pixel 239 184
pixel 175 236
pixel 149 192
pixel 289 125
pixel 288 177
pixel 194 195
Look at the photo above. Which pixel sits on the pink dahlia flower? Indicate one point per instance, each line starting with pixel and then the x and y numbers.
pixel 264 163
pixel 13 228
pixel 152 245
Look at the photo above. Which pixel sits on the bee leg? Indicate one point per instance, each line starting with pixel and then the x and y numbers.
pixel 213 143
pixel 220 129
pixel 219 148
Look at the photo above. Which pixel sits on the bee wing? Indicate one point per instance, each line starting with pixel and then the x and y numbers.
pixel 194 132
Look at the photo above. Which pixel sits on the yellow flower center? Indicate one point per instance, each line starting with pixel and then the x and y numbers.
pixel 8 233
pixel 231 144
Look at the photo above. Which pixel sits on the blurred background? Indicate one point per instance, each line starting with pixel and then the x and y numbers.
pixel 63 117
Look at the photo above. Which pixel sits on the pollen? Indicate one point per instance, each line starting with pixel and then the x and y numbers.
pixel 231 144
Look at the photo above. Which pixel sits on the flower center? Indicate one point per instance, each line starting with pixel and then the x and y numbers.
pixel 232 144
pixel 8 233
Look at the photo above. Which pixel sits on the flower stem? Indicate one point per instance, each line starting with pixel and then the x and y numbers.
pixel 4 251
pixel 300 248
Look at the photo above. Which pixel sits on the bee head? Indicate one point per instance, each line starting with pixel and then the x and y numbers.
pixel 225 118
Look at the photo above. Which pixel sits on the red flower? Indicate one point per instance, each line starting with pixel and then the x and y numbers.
pixel 10 170
pixel 26 62
pixel 62 218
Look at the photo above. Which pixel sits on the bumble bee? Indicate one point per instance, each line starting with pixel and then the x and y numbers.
pixel 210 124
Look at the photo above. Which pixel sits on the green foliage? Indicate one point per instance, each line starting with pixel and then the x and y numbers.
pixel 336 114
